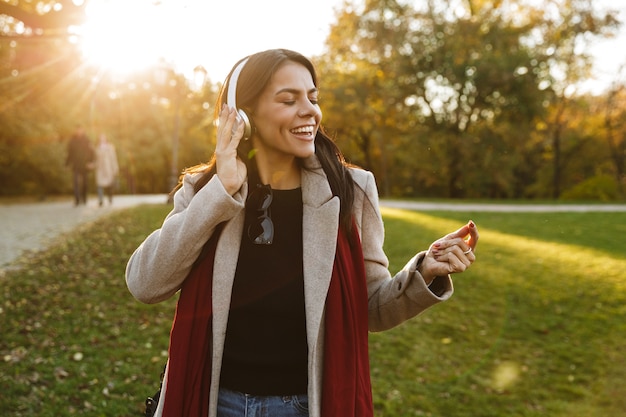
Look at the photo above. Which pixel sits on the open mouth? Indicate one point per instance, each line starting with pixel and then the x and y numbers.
pixel 303 130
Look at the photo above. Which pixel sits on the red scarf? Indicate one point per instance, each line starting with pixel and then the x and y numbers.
pixel 346 390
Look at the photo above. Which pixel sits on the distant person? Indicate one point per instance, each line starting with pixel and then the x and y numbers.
pixel 276 246
pixel 107 169
pixel 80 158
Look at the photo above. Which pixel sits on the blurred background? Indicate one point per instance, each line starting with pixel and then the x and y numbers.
pixel 480 99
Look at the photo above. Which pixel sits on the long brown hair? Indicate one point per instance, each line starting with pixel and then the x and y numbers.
pixel 253 79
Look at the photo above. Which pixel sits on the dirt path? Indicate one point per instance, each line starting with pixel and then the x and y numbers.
pixel 32 226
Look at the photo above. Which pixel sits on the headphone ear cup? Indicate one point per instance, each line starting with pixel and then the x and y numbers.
pixel 247 124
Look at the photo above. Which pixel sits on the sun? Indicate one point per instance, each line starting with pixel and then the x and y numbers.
pixel 125 36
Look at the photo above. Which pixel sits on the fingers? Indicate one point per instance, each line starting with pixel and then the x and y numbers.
pixel 456 249
pixel 455 252
pixel 472 240
pixel 230 129
pixel 468 234
pixel 463 231
pixel 230 169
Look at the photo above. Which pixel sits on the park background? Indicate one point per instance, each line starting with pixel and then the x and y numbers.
pixel 439 99
pixel 442 100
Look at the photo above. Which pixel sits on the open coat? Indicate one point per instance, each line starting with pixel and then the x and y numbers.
pixel 160 264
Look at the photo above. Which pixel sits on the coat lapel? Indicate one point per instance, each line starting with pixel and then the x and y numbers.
pixel 319 233
pixel 224 267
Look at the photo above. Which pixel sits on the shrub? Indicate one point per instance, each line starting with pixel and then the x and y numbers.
pixel 600 187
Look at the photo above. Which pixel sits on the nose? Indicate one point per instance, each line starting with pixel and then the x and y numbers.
pixel 308 109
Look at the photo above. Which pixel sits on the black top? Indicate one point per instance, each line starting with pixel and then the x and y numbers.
pixel 265 352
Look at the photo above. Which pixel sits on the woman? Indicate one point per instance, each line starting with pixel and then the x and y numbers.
pixel 107 169
pixel 277 248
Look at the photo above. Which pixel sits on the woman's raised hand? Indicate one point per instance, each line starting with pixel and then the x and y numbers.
pixel 452 253
pixel 230 168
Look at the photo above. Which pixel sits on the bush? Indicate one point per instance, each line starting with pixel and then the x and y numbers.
pixel 599 187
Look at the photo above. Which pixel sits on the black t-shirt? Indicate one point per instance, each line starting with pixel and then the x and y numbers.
pixel 265 351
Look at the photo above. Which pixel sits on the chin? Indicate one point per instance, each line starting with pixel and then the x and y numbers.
pixel 305 153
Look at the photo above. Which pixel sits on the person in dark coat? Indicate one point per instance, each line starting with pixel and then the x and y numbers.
pixel 80 158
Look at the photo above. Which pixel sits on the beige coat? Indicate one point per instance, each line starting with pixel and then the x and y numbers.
pixel 158 267
pixel 106 165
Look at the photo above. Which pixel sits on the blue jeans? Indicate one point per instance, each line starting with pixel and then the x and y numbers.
pixel 236 404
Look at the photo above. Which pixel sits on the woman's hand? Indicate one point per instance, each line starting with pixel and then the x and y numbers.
pixel 452 253
pixel 231 170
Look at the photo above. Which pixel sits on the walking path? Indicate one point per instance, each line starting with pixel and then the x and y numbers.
pixel 31 227
pixel 508 208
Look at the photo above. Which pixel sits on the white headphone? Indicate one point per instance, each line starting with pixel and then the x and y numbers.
pixel 231 100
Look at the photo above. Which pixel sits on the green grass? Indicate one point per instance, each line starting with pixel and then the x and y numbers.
pixel 74 341
pixel 536 327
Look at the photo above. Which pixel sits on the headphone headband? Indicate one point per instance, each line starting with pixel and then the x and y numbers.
pixel 231 99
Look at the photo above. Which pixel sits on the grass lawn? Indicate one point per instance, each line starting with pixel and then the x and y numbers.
pixel 536 327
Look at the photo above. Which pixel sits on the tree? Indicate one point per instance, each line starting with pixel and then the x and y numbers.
pixel 363 95
pixel 425 78
pixel 48 88
pixel 614 115
pixel 475 88
pixel 52 17
pixel 456 98
pixel 562 33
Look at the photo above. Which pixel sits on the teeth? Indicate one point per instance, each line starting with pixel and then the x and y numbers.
pixel 306 129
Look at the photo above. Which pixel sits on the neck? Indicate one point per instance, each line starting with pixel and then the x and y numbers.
pixel 280 175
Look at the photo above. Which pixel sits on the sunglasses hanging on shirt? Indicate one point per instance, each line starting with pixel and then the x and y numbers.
pixel 261 230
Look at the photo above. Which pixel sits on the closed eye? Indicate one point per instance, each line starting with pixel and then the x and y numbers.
pixel 313 101
pixel 293 95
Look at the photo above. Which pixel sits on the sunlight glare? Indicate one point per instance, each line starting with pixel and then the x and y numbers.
pixel 123 36
pixel 505 375
pixel 129 35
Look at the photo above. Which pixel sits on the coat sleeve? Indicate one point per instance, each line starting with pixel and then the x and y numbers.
pixel 158 267
pixel 392 299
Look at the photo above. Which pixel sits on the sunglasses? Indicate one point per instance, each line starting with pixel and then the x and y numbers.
pixel 261 230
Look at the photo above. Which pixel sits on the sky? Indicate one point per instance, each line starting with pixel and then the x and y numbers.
pixel 609 55
pixel 216 34
pixel 251 26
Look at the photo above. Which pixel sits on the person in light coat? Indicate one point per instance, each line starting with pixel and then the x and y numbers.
pixel 107 168
pixel 268 345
